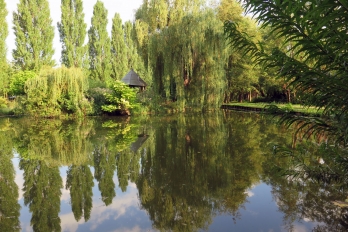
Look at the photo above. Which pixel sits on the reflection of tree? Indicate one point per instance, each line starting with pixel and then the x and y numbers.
pixel 191 168
pixel 80 183
pixel 104 169
pixel 196 167
pixel 9 207
pixel 120 138
pixel 42 193
pixel 56 141
pixel 127 168
pixel 310 188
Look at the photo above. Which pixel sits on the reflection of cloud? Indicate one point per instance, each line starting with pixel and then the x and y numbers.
pixel 299 228
pixel 134 229
pixel 26 227
pixel 65 192
pixel 20 182
pixel 250 193
pixel 100 213
pixel 19 176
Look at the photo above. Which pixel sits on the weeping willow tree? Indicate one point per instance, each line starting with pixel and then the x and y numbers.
pixel 182 43
pixel 57 91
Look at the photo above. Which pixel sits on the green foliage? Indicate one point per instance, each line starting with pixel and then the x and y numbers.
pixel 72 31
pixel 5 78
pixel 18 81
pixel 4 67
pixel 324 164
pixel 3 102
pixel 176 166
pixel 134 60
pixel 9 206
pixel 99 44
pixel 97 97
pixel 104 170
pixel 3 32
pixel 118 49
pixel 57 91
pixel 54 141
pixel 313 60
pixel 80 183
pixel 34 35
pixel 42 182
pixel 122 98
pixel 183 45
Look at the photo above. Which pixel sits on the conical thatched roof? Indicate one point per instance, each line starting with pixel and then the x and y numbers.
pixel 133 79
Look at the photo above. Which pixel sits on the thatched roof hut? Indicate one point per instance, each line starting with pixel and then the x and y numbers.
pixel 132 79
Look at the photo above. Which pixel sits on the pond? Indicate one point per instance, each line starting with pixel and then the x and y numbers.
pixel 208 172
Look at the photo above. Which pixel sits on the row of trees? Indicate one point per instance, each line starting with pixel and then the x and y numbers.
pixel 98 63
pixel 178 47
pixel 103 56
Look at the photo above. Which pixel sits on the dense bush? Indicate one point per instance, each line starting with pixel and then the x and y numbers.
pixel 122 98
pixel 18 81
pixel 97 97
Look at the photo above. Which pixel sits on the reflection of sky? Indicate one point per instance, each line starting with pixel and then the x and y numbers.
pixel 260 212
pixel 122 215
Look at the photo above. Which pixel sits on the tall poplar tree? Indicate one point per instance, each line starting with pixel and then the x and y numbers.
pixel 118 49
pixel 3 31
pixel 34 35
pixel 4 79
pixel 99 44
pixel 72 31
pixel 134 60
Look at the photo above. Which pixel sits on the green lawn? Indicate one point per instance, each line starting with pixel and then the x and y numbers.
pixel 293 107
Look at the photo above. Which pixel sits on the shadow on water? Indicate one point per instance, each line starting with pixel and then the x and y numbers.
pixel 188 170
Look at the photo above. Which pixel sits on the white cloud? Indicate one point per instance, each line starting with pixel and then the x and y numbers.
pixel 126 10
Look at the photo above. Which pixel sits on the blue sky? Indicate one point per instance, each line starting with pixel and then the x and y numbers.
pixel 126 8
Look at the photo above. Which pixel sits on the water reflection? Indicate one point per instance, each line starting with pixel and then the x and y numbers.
pixel 80 183
pixel 167 174
pixel 9 206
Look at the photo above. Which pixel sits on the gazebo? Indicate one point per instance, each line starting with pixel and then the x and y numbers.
pixel 132 79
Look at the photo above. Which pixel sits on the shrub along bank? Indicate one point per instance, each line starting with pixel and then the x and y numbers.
pixel 65 92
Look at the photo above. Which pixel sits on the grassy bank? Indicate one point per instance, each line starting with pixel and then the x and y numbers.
pixel 280 108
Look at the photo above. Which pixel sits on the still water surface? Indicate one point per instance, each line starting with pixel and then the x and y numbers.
pixel 178 173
